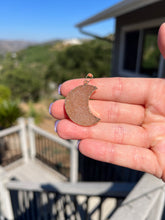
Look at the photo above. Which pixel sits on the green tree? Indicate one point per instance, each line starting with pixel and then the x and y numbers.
pixel 25 83
pixel 76 61
pixel 29 72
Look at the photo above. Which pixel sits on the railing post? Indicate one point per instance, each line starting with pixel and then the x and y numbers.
pixel 31 138
pixel 5 202
pixel 74 163
pixel 23 139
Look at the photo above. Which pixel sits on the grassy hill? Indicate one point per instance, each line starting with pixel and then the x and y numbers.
pixel 29 72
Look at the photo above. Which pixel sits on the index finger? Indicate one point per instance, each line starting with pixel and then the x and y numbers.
pixel 126 90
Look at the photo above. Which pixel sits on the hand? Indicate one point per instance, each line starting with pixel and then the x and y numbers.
pixel 131 131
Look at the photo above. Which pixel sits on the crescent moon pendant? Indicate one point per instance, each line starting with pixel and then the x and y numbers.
pixel 77 108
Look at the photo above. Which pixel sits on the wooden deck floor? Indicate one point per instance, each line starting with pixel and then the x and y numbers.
pixel 33 171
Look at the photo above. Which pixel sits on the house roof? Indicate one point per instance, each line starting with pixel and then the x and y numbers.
pixel 121 8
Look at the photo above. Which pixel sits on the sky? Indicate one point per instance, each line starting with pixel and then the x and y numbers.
pixel 45 20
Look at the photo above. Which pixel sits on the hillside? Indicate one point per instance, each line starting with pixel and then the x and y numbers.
pixel 31 71
pixel 13 45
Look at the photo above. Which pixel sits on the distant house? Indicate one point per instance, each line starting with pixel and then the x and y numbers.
pixel 73 41
pixel 135 51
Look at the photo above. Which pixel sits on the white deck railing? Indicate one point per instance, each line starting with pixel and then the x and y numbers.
pixel 28 146
pixel 25 139
pixel 16 140
pixel 78 201
pixel 145 201
pixel 21 130
pixel 71 145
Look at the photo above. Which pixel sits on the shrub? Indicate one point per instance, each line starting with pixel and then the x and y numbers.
pixel 5 93
pixel 9 112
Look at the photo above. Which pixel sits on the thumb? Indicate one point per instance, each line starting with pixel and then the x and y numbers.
pixel 161 39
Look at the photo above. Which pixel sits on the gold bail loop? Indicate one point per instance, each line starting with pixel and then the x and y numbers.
pixel 88 77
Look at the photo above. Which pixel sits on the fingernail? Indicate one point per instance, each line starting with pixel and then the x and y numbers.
pixel 59 89
pixel 55 126
pixel 78 143
pixel 50 107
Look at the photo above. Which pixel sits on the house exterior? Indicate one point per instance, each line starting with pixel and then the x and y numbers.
pixel 135 51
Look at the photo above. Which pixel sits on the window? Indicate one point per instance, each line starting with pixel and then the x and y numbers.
pixel 150 53
pixel 130 52
pixel 141 54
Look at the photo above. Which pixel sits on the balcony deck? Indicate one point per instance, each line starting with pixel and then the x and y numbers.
pixel 33 171
pixel 30 183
